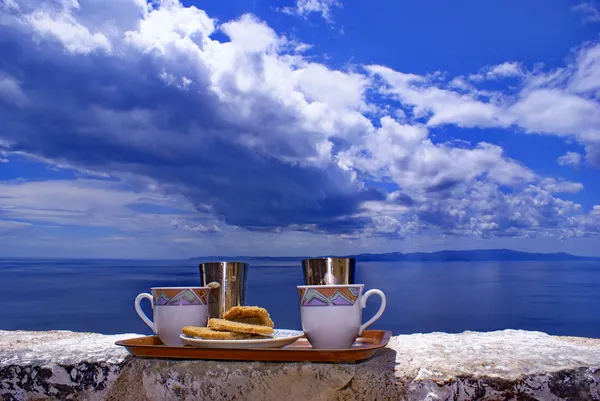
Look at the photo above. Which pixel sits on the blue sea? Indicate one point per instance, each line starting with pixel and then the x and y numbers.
pixel 559 298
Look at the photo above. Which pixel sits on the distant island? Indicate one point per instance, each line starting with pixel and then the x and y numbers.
pixel 440 256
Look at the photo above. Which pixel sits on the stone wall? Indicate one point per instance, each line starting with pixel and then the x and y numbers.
pixel 502 365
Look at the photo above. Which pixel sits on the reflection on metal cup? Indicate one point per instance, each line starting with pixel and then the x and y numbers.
pixel 328 271
pixel 228 283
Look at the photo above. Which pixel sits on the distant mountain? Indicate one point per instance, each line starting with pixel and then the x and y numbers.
pixel 441 256
pixel 471 255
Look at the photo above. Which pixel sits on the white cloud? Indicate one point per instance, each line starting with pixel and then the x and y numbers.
pixel 195 227
pixel 252 35
pixel 305 7
pixel 585 79
pixel 555 186
pixel 569 159
pixel 460 83
pixel 301 47
pixel 589 11
pixel 61 24
pixel 92 203
pixel 508 69
pixel 405 154
pixel 171 29
pixel 334 88
pixel 561 102
pixel 556 112
pixel 10 5
pixel 9 225
pixel 438 106
pixel 500 71
pixel 482 210
pixel 253 136
pixel 10 91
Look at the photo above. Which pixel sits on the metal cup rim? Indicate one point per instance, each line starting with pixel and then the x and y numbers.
pixel 328 286
pixel 226 262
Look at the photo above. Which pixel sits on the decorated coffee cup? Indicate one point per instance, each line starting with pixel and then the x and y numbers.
pixel 332 314
pixel 172 309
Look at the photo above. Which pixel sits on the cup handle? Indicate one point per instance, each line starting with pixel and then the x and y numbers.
pixel 141 313
pixel 363 303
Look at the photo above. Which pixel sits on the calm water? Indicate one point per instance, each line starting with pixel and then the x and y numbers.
pixel 93 295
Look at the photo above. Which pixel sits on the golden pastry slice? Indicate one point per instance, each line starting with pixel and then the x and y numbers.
pixel 227 325
pixel 249 314
pixel 205 332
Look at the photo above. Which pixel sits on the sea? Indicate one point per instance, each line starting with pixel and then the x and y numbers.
pixel 560 298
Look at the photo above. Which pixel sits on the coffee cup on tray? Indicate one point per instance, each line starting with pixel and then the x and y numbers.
pixel 331 315
pixel 172 309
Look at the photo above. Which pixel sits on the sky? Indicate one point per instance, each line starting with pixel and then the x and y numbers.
pixel 168 129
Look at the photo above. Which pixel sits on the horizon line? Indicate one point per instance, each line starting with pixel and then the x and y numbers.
pixel 291 256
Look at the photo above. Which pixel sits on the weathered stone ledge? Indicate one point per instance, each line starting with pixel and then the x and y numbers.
pixel 501 365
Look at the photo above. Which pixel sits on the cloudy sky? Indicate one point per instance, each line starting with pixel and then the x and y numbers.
pixel 169 129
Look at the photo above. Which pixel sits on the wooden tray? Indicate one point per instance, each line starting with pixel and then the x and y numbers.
pixel 301 351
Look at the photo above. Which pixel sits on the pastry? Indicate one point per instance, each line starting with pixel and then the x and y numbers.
pixel 249 314
pixel 236 327
pixel 205 332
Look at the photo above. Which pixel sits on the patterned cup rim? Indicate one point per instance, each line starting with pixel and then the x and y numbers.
pixel 180 288
pixel 330 286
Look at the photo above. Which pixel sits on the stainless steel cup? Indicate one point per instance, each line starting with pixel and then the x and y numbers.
pixel 228 280
pixel 327 271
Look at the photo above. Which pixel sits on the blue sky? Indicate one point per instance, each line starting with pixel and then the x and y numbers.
pixel 170 129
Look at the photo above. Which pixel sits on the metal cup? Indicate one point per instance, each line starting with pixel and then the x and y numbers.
pixel 228 283
pixel 328 271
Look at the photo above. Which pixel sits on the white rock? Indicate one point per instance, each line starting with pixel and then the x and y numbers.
pixel 502 365
pixel 508 354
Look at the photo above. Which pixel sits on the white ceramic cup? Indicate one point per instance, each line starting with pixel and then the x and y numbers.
pixel 332 314
pixel 172 309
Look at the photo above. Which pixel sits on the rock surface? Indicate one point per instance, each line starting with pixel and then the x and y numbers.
pixel 502 365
